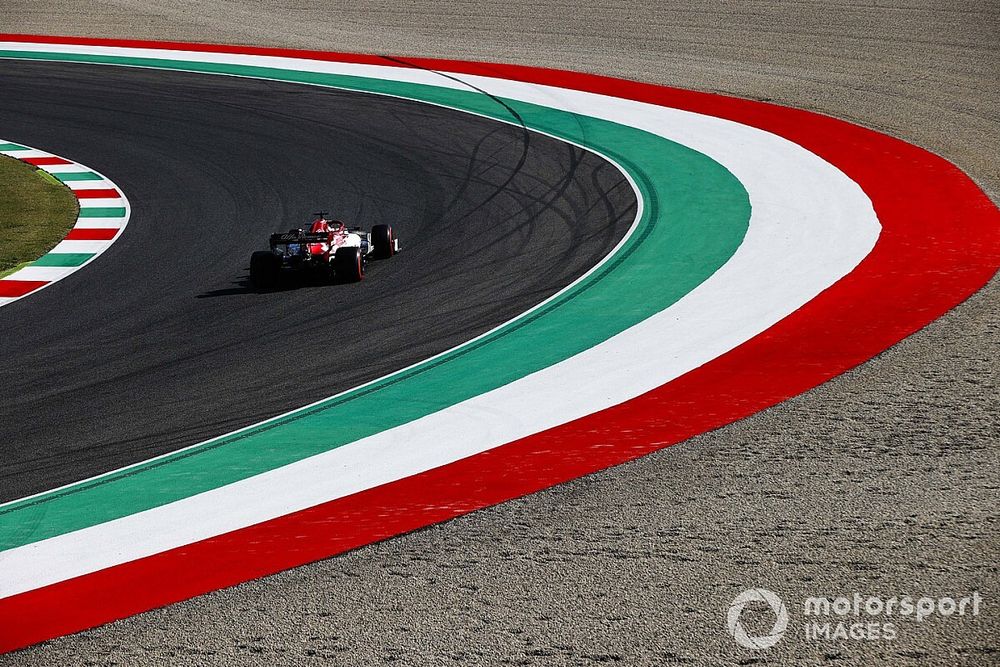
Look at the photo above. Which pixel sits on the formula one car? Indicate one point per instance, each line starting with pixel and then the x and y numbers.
pixel 329 250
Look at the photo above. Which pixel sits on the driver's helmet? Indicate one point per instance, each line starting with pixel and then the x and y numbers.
pixel 337 225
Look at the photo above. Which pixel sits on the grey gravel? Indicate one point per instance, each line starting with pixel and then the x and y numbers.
pixel 883 481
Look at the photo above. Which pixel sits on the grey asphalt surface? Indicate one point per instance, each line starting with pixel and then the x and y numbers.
pixel 883 481
pixel 161 343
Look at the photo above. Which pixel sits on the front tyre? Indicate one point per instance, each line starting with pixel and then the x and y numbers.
pixel 349 264
pixel 383 241
pixel 264 269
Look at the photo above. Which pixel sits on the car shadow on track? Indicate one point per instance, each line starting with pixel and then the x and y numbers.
pixel 287 284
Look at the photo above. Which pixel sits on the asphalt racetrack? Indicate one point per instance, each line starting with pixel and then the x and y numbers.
pixel 883 480
pixel 163 343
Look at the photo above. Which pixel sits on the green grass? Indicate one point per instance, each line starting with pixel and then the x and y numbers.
pixel 36 212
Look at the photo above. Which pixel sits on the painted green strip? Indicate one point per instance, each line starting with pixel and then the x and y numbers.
pixel 63 259
pixel 695 216
pixel 13 147
pixel 103 212
pixel 78 176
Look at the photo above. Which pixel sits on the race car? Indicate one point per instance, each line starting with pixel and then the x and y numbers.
pixel 328 250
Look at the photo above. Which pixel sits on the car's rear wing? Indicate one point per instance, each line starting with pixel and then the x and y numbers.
pixel 299 237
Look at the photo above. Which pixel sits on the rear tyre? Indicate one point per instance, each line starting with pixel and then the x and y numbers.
pixel 349 265
pixel 264 269
pixel 383 241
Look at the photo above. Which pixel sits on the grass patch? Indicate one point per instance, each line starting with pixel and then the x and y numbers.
pixel 36 212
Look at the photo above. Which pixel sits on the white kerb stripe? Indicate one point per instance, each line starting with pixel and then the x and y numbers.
pixel 79 246
pixel 101 203
pixel 71 168
pixel 30 153
pixel 89 185
pixel 99 223
pixel 47 273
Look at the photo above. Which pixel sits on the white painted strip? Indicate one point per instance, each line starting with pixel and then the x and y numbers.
pixel 42 273
pixel 79 246
pixel 30 153
pixel 101 203
pixel 89 185
pixel 71 168
pixel 100 223
pixel 810 226
pixel 4 300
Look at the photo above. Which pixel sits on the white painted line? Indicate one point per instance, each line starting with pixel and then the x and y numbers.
pixel 30 153
pixel 109 202
pixel 99 223
pixel 79 246
pixel 89 185
pixel 48 273
pixel 72 168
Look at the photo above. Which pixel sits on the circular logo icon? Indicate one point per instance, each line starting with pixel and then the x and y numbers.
pixel 736 628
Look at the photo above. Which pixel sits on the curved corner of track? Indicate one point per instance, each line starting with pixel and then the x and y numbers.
pixel 104 212
pixel 774 249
